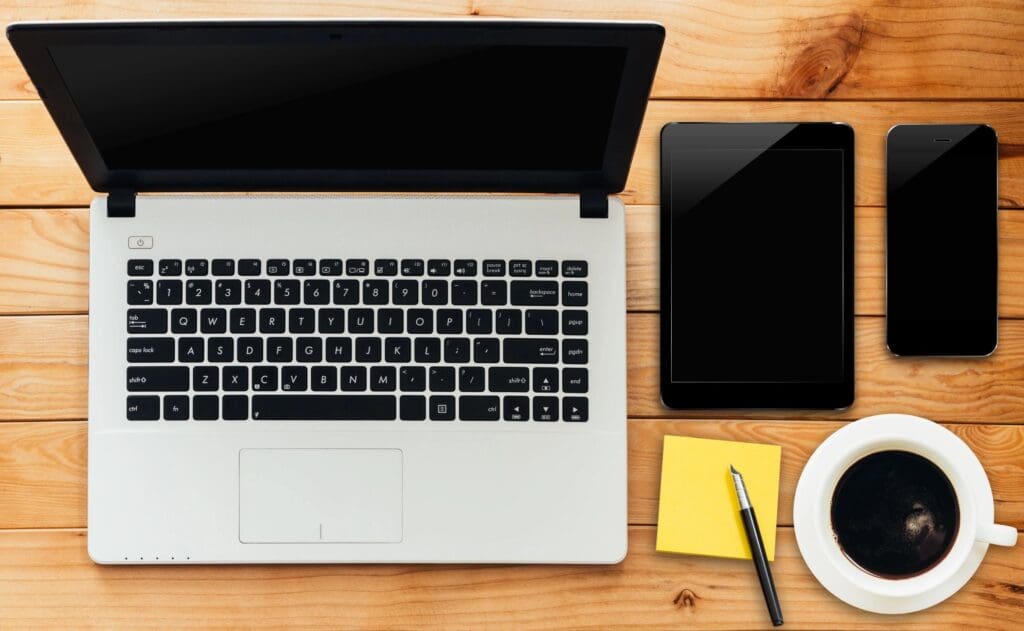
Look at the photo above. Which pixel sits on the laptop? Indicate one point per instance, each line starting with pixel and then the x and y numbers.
pixel 357 287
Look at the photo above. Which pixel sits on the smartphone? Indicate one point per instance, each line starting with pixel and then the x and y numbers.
pixel 941 240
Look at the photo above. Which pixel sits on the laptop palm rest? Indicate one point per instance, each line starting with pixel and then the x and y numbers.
pixel 320 495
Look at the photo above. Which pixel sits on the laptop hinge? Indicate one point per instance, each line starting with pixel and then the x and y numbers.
pixel 121 203
pixel 593 205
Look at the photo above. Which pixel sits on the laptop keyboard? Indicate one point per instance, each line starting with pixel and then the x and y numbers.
pixel 355 339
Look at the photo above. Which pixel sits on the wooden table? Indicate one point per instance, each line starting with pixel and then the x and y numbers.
pixel 867 62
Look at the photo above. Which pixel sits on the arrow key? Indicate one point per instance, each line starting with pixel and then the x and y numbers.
pixel 545 408
pixel 517 408
pixel 574 409
pixel 545 380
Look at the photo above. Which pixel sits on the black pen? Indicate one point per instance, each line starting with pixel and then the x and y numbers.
pixel 757 549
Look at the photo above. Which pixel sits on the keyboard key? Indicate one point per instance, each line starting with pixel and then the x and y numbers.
pixel 575 409
pixel 257 291
pixel 385 267
pixel 547 268
pixel 228 291
pixel 304 267
pixel 357 267
pixel 176 408
pixel 574 322
pixel 157 379
pixel 464 292
pixel 478 321
pixel 439 267
pixel 264 378
pixel 390 320
pixel 471 379
pixel 286 292
pixel 412 408
pixel 368 349
pixel 574 351
pixel 330 267
pixel 316 292
pixel 169 267
pixel 147 321
pixel 235 378
pixel 272 320
pixel 205 407
pixel 143 408
pixel 383 379
pixel 249 267
pixel 338 349
pixel 278 267
pixel 465 267
pixel 412 267
pixel 545 409
pixel 427 350
pixel 198 292
pixel 398 350
pixel 205 379
pixel 531 351
pixel 412 378
pixel 250 349
pixel 541 322
pixel 243 320
pixel 331 320
pixel 405 292
pixel 574 380
pixel 220 350
pixel 191 349
pixel 323 407
pixel 140 267
pixel 235 407
pixel 478 408
pixel 516 409
pixel 183 320
pixel 375 292
pixel 449 321
pixel 279 350
pixel 435 292
pixel 353 378
pixel 309 350
pixel 168 292
pixel 509 321
pixel 493 292
pixel 520 268
pixel 301 320
pixel 223 267
pixel 150 350
pixel 140 292
pixel 197 267
pixel 535 293
pixel 346 292
pixel 360 320
pixel 442 408
pixel 494 268
pixel 420 321
pixel 485 350
pixel 442 379
pixel 324 378
pixel 574 293
pixel 574 269
pixel 545 380
pixel 508 379
pixel 456 350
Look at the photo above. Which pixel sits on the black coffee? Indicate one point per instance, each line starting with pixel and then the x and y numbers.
pixel 895 514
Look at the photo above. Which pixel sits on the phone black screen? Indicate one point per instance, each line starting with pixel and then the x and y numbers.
pixel 941 252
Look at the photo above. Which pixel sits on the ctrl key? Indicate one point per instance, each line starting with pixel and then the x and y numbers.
pixel 143 408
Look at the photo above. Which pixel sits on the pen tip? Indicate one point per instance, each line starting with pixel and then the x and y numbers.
pixel 733 469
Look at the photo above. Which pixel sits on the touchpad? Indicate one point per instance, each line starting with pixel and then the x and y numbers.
pixel 320 495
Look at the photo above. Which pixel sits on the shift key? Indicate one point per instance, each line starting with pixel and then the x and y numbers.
pixel 531 351
pixel 158 379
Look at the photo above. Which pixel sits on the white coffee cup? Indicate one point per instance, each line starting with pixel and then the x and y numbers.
pixel 816 537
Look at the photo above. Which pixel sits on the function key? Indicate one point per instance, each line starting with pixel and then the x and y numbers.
pixel 140 267
pixel 547 268
pixel 357 267
pixel 224 267
pixel 278 267
pixel 385 267
pixel 520 268
pixel 494 268
pixel 304 267
pixel 330 267
pixel 439 267
pixel 465 267
pixel 170 267
pixel 249 267
pixel 577 269
pixel 197 267
pixel 412 267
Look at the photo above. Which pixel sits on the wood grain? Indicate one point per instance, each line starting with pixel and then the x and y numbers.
pixel 44 261
pixel 43 465
pixel 43 367
pixel 48 581
pixel 36 169
pixel 849 49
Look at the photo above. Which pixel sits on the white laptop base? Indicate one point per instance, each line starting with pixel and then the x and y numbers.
pixel 356 491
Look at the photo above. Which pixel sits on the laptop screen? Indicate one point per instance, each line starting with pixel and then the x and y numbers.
pixel 332 105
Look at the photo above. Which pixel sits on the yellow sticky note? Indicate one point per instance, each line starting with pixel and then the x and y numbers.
pixel 697 510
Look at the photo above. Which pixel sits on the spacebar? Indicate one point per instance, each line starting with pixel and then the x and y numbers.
pixel 322 407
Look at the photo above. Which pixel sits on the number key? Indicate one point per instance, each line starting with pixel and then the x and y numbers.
pixel 198 292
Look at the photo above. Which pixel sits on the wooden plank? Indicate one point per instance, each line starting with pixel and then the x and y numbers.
pixel 36 169
pixel 849 49
pixel 989 390
pixel 43 465
pixel 43 375
pixel 643 267
pixel 44 261
pixel 48 581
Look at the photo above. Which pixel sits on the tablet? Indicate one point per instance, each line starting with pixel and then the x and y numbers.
pixel 757 265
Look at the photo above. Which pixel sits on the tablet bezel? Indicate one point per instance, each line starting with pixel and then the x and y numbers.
pixel 747 394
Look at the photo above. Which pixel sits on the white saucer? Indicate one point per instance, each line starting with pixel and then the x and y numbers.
pixel 819 472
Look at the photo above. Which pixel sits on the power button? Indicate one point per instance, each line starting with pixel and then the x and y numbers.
pixel 140 243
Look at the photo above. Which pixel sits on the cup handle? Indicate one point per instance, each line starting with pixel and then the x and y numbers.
pixel 997 534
